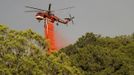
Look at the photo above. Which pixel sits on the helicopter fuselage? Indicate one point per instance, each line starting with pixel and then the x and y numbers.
pixel 43 15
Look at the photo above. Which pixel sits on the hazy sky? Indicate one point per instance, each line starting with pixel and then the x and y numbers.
pixel 105 17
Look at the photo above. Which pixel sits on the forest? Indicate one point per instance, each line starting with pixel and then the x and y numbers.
pixel 25 53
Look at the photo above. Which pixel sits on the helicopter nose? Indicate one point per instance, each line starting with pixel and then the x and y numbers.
pixel 39 17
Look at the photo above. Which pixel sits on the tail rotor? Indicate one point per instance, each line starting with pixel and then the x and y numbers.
pixel 71 18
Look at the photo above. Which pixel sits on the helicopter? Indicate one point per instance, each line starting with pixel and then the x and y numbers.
pixel 49 19
pixel 43 14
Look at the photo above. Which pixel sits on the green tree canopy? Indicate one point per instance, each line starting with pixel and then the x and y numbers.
pixel 24 53
pixel 97 55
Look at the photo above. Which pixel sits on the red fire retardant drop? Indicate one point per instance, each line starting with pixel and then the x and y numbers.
pixel 50 35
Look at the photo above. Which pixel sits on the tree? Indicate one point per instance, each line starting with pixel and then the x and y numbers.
pixel 97 55
pixel 24 53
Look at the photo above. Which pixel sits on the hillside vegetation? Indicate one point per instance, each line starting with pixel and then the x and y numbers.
pixel 25 53
pixel 97 55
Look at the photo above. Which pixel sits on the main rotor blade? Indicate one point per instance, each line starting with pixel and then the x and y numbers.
pixel 35 8
pixel 32 11
pixel 64 8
